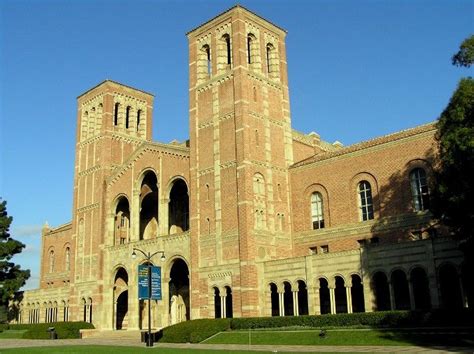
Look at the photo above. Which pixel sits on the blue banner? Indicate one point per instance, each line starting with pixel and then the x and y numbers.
pixel 143 292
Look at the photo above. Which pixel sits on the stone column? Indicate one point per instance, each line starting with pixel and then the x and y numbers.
pixel 163 215
pixel 392 296
pixel 223 306
pixel 349 299
pixel 332 299
pixel 296 307
pixel 434 291
pixel 281 303
pixel 463 294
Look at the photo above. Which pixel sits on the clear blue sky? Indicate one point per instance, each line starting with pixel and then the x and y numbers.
pixel 357 70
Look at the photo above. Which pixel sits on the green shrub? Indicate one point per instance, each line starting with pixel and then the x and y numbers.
pixel 198 330
pixel 3 327
pixel 194 331
pixel 64 330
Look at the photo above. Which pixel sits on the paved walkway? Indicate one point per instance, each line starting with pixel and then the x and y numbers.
pixel 25 343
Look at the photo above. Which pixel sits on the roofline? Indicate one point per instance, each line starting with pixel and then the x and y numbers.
pixel 117 83
pixel 384 139
pixel 230 9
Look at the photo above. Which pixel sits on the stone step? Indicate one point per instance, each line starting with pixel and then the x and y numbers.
pixel 121 333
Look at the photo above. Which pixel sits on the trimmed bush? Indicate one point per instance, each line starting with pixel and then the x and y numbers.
pixel 198 330
pixel 194 331
pixel 64 330
pixel 3 327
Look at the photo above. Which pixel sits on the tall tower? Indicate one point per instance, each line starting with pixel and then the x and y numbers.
pixel 241 148
pixel 113 120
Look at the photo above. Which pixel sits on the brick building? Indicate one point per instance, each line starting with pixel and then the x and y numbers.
pixel 253 217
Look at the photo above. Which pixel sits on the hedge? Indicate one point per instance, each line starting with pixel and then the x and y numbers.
pixel 198 330
pixel 193 331
pixel 64 330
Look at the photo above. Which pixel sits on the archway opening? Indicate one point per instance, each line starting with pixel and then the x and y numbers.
pixel 217 303
pixel 324 298
pixel 357 294
pixel 382 291
pixel 421 289
pixel 449 286
pixel 178 207
pixel 121 296
pixel 400 290
pixel 179 291
pixel 340 295
pixel 274 298
pixel 149 206
pixel 228 302
pixel 122 222
pixel 288 299
pixel 302 298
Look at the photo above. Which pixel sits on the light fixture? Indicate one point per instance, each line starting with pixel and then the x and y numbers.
pixel 163 258
pixel 134 255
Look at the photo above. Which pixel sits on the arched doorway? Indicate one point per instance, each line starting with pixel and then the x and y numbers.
pixel 357 294
pixel 302 298
pixel 217 303
pixel 121 298
pixel 381 291
pixel 228 302
pixel 449 286
pixel 421 289
pixel 179 291
pixel 274 298
pixel 288 299
pixel 324 298
pixel 178 207
pixel 400 290
pixel 149 206
pixel 340 295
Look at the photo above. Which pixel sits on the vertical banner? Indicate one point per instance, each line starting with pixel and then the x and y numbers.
pixel 143 282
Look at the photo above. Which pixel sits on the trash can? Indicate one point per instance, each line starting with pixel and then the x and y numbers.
pixel 52 333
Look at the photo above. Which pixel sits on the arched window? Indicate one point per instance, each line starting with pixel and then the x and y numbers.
pixel 258 185
pixel 51 261
pixel 139 112
pixel 366 206
pixel 226 39
pixel 68 259
pixel 419 189
pixel 127 117
pixel 269 53
pixel 207 50
pixel 249 48
pixel 317 215
pixel 116 113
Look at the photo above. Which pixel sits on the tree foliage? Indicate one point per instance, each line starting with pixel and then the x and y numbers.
pixel 12 277
pixel 454 190
pixel 465 55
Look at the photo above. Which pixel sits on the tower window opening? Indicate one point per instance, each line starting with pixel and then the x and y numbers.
pixel 226 38
pixel 117 105
pixel 249 48
pixel 269 50
pixel 207 49
pixel 127 117
pixel 139 112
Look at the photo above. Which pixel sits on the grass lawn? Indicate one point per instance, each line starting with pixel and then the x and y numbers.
pixel 117 350
pixel 12 333
pixel 346 337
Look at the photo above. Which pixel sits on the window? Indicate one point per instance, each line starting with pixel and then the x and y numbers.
pixel 419 189
pixel 249 48
pixel 365 201
pixel 313 250
pixel 127 117
pixel 317 215
pixel 325 249
pixel 51 261
pixel 269 53
pixel 139 112
pixel 116 110
pixel 226 38
pixel 68 259
pixel 207 51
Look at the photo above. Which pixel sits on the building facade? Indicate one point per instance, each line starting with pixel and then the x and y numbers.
pixel 254 218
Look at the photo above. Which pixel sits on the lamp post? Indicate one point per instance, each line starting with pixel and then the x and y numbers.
pixel 148 257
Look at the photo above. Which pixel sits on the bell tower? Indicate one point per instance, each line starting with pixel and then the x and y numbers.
pixel 241 148
pixel 113 120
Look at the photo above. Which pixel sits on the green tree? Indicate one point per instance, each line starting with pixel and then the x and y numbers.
pixel 453 197
pixel 465 56
pixel 12 277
